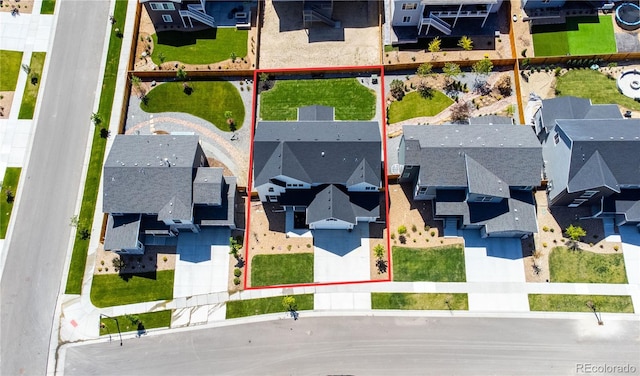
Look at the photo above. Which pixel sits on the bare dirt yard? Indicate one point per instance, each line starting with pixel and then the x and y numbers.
pixel 155 258
pixel 285 43
pixel 23 6
pixel 6 99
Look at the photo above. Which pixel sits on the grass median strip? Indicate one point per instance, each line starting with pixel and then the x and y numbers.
pixel 419 301
pixel 281 269
pixel 352 100
pixel 90 194
pixel 586 267
pixel 110 290
pixel 32 86
pixel 129 323
pixel 579 303
pixel 10 68
pixel 440 264
pixel 9 191
pixel 252 307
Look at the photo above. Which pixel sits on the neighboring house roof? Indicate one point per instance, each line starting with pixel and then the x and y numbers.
pixel 490 119
pixel 123 230
pixel 207 186
pixel 150 174
pixel 575 108
pixel 486 156
pixel 630 210
pixel 318 151
pixel 604 153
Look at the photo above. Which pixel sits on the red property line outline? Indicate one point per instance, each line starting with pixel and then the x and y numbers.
pixel 254 105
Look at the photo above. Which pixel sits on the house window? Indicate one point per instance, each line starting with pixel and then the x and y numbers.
pixel 177 221
pixel 588 194
pixel 162 6
pixel 331 219
pixel 410 6
pixel 271 189
pixel 483 198
pixel 406 175
pixel 422 190
pixel 167 18
pixel 406 19
pixel 273 198
pixel 577 202
pixel 556 138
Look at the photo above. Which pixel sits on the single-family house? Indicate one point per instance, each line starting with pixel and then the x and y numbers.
pixel 171 14
pixel 592 157
pixel 159 185
pixel 415 19
pixel 328 172
pixel 479 176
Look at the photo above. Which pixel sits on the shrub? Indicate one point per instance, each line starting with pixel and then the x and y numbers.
pixel 236 281
pixel 432 233
pixel 308 245
pixel 544 244
pixel 164 258
pixel 616 248
pixel 237 272
pixel 545 229
pixel 427 227
pixel 403 239
pixel 397 89
pixel 414 228
pixel 402 229
pixel 393 236
pixel 289 247
pixel 524 53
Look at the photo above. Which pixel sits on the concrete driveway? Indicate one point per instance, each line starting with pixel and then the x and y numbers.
pixel 340 255
pixel 630 237
pixel 494 260
pixel 202 265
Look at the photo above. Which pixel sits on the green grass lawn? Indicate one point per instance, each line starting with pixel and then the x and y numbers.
pixel 251 307
pixel 9 69
pixel 199 47
pixel 108 290
pixel 586 267
pixel 9 182
pixel 90 193
pixel 28 105
pixel 576 37
pixel 587 83
pixel 441 264
pixel 48 6
pixel 381 300
pixel 351 99
pixel 413 105
pixel 209 100
pixel 128 323
pixel 283 269
pixel 578 303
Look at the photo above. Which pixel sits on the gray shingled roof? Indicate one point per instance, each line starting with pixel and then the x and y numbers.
pixel 575 108
pixel 630 209
pixel 604 153
pixel 207 186
pixel 150 174
pixel 510 153
pixel 331 202
pixel 123 232
pixel 483 182
pixel 318 151
pixel 316 113
pixel 490 119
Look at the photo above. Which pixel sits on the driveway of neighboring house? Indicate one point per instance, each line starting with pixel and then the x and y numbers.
pixel 631 250
pixel 496 260
pixel 340 255
pixel 202 265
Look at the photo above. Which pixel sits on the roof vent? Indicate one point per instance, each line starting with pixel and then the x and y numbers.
pixel 322 154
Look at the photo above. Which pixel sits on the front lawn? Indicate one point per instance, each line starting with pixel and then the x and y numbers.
pixel 586 267
pixel 199 47
pixel 398 300
pixel 98 146
pixel 352 100
pixel 587 83
pixel 576 37
pixel 32 86
pixel 281 269
pixel 413 105
pixel 129 323
pixel 251 307
pixel 578 303
pixel 209 100
pixel 9 183
pixel 441 264
pixel 10 68
pixel 48 6
pixel 110 290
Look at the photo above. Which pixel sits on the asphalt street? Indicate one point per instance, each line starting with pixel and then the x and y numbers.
pixel 372 346
pixel 40 239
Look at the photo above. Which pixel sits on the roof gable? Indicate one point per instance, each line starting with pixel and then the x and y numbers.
pixel 481 181
pixel 331 202
pixel 594 173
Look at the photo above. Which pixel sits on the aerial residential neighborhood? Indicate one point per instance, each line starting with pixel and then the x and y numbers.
pixel 281 187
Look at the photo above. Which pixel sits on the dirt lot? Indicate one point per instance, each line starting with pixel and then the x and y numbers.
pixel 155 258
pixel 284 43
pixel 23 6
pixel 6 99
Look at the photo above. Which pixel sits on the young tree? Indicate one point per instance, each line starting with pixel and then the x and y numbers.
pixel 181 74
pixel 483 67
pixel 425 70
pixel 96 118
pixel 504 85
pixel 425 90
pixel 460 112
pixel 136 82
pixel 118 263
pixel 434 45
pixel 397 89
pixel 451 70
pixel 378 251
pixel 162 58
pixel 465 43
pixel 574 233
pixel 289 303
pixel 231 122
